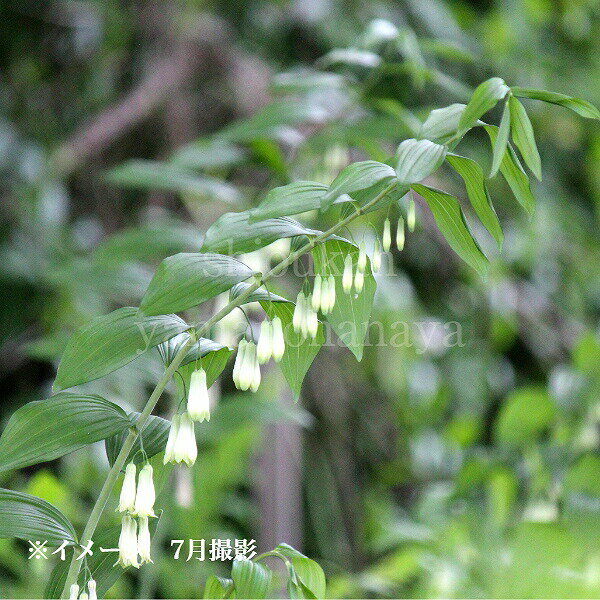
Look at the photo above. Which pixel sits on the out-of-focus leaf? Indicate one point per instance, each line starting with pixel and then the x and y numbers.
pixel 208 155
pixel 484 98
pixel 259 295
pixel 350 57
pixel 44 430
pixel 351 313
pixel 188 279
pixel 513 172
pixel 523 136
pixel 501 142
pixel 451 222
pixel 291 199
pixel 29 518
pixel 477 191
pixel 251 579
pixel 232 233
pixel 581 107
pixel 306 79
pixel 147 174
pixel 416 159
pixel 111 341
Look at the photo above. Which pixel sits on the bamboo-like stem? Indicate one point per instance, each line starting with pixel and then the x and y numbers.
pixel 113 474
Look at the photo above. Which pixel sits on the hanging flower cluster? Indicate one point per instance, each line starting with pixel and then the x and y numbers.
pixel 305 320
pixel 271 342
pixel 91 594
pixel 181 443
pixel 137 504
pixel 323 295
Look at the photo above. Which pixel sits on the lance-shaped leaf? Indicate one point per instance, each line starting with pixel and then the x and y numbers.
pixel 499 149
pixel 581 107
pixel 477 191
pixel 484 98
pixel 357 176
pixel 188 279
pixel 291 199
pixel 515 175
pixel 451 222
pixel 44 430
pixel 299 353
pixel 416 159
pixel 111 341
pixel 523 136
pixel 29 518
pixel 232 233
pixel 442 123
pixel 202 347
pixel 251 579
pixel 259 295
pixel 351 313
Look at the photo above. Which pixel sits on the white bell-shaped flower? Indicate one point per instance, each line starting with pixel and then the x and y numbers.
pixel 255 383
pixel 359 280
pixel 128 551
pixel 185 449
pixel 348 274
pixel 146 495
pixel 331 293
pixel 324 299
pixel 198 403
pixel 362 257
pixel 170 447
pixel 316 294
pixel 386 238
pixel 411 215
pixel 92 593
pixel 264 348
pixel 298 317
pixel 376 262
pixel 74 592
pixel 247 366
pixel 127 498
pixel 278 339
pixel 84 596
pixel 239 361
pixel 144 541
pixel 312 324
pixel 306 316
pixel 400 236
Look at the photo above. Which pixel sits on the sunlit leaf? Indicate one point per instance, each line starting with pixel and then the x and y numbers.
pixel 251 579
pixel 416 159
pixel 581 107
pixel 484 98
pixel 291 199
pixel 524 138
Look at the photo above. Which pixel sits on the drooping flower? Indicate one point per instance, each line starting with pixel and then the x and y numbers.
pixel 298 317
pixel 246 373
pixel 317 293
pixel 411 215
pixel 400 236
pixel 362 257
pixel 185 449
pixel 239 361
pixel 387 236
pixel 376 262
pixel 278 340
pixel 359 280
pixel 264 348
pixel 170 447
pixel 255 383
pixel 330 294
pixel 128 543
pixel 143 541
pixel 146 495
pixel 74 592
pixel 198 403
pixel 92 593
pixel 84 596
pixel 312 323
pixel 127 498
pixel 348 274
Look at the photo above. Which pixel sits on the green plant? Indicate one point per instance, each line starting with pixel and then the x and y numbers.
pixel 342 290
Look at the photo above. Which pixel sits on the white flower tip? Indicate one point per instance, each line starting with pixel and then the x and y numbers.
pixel 74 592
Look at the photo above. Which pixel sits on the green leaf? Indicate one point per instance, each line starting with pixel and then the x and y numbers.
pixel 357 176
pixel 154 439
pixel 259 295
pixel 501 142
pixel 251 579
pixel 451 222
pixel 149 174
pixel 523 136
pixel 209 155
pixel 515 175
pixel 111 341
pixel 351 313
pixel 232 233
pixel 310 575
pixel 201 348
pixel 581 107
pixel 416 159
pixel 188 279
pixel 29 518
pixel 524 415
pixel 442 123
pixel 291 199
pixel 352 57
pixel 299 354
pixel 44 430
pixel 477 191
pixel 484 98
pixel 218 587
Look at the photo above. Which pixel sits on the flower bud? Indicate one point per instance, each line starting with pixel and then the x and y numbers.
pixel 74 592
pixel 278 340
pixel 247 366
pixel 239 361
pixel 128 543
pixel 376 263
pixel 143 541
pixel 317 293
pixel 92 593
pixel 145 497
pixel 306 316
pixel 400 234
pixel 255 383
pixel 347 276
pixel 169 449
pixel 264 348
pixel 387 236
pixel 411 215
pixel 84 596
pixel 362 257
pixel 312 324
pixel 185 449
pixel 359 280
pixel 298 317
pixel 198 404
pixel 127 498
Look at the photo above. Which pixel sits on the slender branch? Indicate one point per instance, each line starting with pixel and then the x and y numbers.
pixel 113 474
